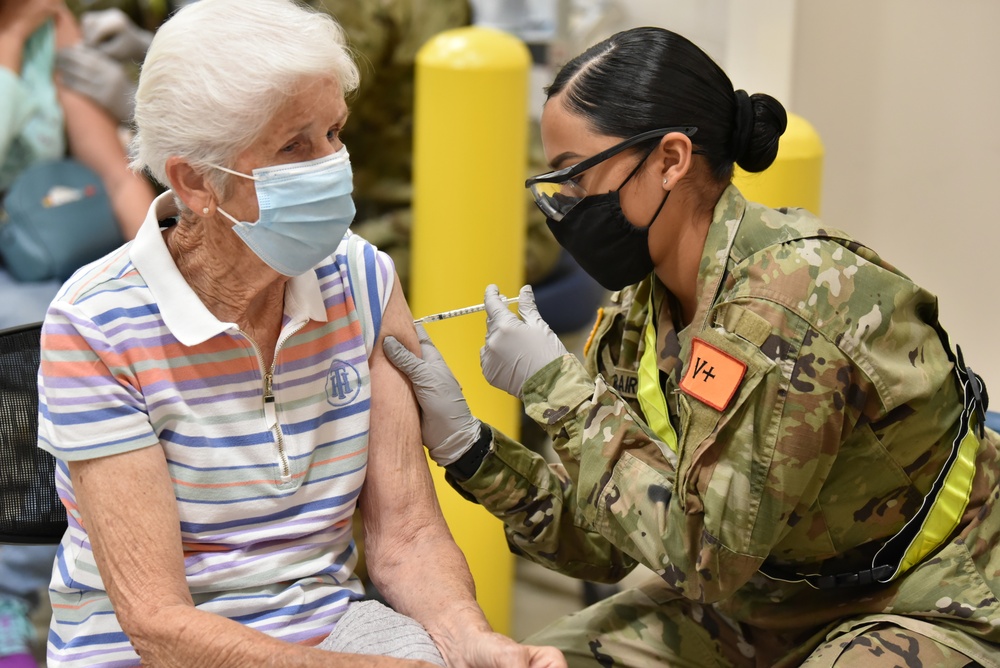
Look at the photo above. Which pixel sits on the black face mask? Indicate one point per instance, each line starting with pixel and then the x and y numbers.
pixel 599 237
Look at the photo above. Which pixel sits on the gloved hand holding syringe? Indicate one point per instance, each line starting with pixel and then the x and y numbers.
pixel 461 311
pixel 516 347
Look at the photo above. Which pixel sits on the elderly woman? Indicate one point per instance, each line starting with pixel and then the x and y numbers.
pixel 216 392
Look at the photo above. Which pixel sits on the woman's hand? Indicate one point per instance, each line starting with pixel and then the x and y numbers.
pixel 21 18
pixel 493 650
pixel 516 349
pixel 446 424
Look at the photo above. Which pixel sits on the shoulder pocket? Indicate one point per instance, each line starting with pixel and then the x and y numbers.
pixel 704 414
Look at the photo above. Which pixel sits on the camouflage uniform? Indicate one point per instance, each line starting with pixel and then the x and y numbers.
pixel 842 420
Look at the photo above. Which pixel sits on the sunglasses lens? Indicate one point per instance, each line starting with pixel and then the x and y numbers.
pixel 556 199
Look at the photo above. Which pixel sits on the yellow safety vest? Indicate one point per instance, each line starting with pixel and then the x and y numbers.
pixel 650 392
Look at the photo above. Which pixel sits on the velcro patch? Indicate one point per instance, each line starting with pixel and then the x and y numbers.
pixel 712 376
pixel 625 382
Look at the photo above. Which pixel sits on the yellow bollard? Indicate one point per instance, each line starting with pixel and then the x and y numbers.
pixel 469 157
pixel 796 177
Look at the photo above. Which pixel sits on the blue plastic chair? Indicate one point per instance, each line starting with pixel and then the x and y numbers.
pixel 993 420
pixel 568 297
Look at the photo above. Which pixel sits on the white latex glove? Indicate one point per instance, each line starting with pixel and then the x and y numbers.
pixel 516 349
pixel 113 33
pixel 446 424
pixel 99 77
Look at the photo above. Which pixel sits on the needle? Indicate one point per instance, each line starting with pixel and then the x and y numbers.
pixel 462 311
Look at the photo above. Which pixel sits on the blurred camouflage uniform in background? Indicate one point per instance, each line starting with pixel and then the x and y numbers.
pixel 386 36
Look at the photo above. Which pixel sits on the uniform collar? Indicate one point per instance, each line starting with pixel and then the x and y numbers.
pixel 722 233
pixel 183 312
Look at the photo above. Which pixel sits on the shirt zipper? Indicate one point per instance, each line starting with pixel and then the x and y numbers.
pixel 270 412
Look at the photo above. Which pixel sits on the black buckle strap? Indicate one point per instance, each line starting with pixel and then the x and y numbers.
pixel 857 579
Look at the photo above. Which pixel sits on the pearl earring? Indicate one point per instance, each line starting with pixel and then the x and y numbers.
pixel 205 209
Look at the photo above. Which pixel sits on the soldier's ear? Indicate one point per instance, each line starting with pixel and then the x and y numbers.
pixel 673 158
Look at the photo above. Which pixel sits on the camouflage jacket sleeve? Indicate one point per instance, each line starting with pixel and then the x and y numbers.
pixel 539 502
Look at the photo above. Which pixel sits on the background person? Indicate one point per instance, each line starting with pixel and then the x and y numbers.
pixel 216 393
pixel 42 120
pixel 765 405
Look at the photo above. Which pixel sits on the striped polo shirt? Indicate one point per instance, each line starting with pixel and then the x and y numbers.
pixel 266 463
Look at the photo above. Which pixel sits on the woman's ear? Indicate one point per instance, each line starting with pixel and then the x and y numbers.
pixel 190 186
pixel 675 153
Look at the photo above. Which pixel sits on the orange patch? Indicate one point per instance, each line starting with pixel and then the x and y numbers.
pixel 712 376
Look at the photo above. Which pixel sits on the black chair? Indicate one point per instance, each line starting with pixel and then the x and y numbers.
pixel 30 510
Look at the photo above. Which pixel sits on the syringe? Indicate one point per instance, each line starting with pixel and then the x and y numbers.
pixel 461 311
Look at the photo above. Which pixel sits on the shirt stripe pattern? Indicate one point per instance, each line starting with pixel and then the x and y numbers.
pixel 266 489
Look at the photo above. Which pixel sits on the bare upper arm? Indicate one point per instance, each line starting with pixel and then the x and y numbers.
pixel 399 493
pixel 68 31
pixel 397 321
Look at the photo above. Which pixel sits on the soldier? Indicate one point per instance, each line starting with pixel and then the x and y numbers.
pixel 770 416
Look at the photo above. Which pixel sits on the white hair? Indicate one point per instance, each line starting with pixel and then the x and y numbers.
pixel 218 70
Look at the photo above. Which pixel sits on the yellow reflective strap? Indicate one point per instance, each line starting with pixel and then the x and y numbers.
pixel 949 506
pixel 650 393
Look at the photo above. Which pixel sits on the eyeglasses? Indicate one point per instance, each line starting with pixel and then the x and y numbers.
pixel 557 192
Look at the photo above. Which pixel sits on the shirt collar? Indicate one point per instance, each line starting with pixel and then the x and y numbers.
pixel 722 235
pixel 183 312
pixel 722 232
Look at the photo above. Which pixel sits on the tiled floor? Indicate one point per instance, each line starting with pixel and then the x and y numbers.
pixel 542 596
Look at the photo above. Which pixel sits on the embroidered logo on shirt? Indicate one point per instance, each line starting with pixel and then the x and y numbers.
pixel 712 376
pixel 343 383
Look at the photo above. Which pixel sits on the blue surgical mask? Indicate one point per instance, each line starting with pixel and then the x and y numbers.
pixel 305 210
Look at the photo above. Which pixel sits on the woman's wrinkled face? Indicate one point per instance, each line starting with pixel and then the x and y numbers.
pixel 306 127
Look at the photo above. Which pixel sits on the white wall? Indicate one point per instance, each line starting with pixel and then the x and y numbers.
pixel 751 39
pixel 906 97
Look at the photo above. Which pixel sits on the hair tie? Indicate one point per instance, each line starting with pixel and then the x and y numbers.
pixel 743 127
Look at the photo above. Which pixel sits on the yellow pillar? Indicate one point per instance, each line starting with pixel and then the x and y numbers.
pixel 796 177
pixel 469 154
